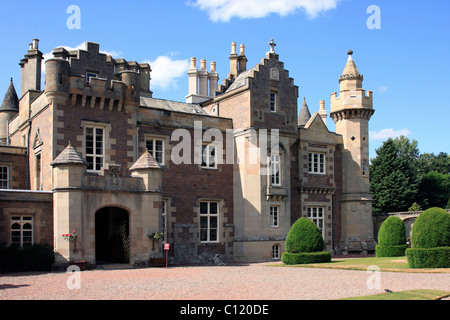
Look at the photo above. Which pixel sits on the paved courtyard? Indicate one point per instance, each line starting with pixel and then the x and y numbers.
pixel 259 281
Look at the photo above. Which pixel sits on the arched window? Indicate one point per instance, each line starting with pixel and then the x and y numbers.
pixel 21 231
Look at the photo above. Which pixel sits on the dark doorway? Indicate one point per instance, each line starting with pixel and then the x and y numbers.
pixel 112 235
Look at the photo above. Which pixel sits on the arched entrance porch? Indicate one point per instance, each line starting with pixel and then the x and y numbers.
pixel 112 244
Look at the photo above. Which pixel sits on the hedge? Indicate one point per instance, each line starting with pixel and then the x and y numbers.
pixel 306 257
pixel 390 251
pixel 35 258
pixel 438 257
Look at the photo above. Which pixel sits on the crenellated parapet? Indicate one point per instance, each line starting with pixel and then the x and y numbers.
pixel 91 79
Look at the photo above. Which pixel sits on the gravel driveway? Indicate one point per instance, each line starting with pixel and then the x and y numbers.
pixel 234 282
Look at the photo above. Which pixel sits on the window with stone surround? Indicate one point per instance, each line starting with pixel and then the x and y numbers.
pixel 21 231
pixel 274 216
pixel 316 215
pixel 156 148
pixel 316 163
pixel 4 177
pixel 209 221
pixel 273 101
pixel 209 156
pixel 276 252
pixel 95 147
pixel 275 170
pixel 89 76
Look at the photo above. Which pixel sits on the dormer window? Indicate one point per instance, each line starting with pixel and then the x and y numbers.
pixel 89 76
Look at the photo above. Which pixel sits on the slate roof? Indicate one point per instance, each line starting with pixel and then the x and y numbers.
pixel 172 105
pixel 240 80
pixel 146 161
pixel 69 156
pixel 305 115
pixel 11 101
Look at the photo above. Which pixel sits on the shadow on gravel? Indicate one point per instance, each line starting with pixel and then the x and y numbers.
pixel 12 286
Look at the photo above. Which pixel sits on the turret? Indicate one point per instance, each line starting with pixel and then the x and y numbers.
pixel 8 109
pixel 57 75
pixel 351 111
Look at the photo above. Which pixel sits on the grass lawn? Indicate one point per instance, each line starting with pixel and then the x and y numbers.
pixel 392 264
pixel 406 295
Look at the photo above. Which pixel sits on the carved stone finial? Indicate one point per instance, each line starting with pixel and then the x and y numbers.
pixel 272 45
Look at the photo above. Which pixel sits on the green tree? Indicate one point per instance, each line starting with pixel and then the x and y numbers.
pixel 430 162
pixel 434 190
pixel 394 178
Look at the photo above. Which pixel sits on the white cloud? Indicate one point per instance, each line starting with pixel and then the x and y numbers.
pixel 166 72
pixel 224 10
pixel 389 133
pixel 383 89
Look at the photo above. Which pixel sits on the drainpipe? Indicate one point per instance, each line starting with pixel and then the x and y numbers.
pixel 27 175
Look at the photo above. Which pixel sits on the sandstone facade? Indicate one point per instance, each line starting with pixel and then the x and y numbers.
pixel 223 175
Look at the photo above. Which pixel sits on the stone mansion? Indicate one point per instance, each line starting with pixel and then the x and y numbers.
pixel 222 175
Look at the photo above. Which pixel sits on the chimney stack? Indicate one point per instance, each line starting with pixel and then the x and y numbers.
pixel 242 59
pixel 193 77
pixel 323 112
pixel 203 79
pixel 233 62
pixel 31 66
pixel 213 77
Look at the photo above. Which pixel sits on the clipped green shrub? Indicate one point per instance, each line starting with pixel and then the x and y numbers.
pixel 306 257
pixel 430 240
pixel 428 257
pixel 431 229
pixel 304 236
pixel 304 244
pixel 391 238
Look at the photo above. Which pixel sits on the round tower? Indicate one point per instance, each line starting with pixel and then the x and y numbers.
pixel 57 76
pixel 8 110
pixel 351 112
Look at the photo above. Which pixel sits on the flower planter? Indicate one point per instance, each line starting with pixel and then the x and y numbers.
pixel 157 262
pixel 81 264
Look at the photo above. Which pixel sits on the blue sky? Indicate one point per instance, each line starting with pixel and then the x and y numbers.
pixel 405 63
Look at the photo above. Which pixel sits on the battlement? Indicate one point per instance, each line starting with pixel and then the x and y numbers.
pixel 355 99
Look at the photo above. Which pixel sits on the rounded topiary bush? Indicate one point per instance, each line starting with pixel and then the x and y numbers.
pixel 391 238
pixel 430 240
pixel 304 244
pixel 431 229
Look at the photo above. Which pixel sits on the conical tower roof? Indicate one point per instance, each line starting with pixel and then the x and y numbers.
pixel 11 101
pixel 305 115
pixel 350 70
pixel 69 156
pixel 146 161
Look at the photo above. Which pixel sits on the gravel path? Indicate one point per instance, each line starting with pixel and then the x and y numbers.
pixel 237 282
